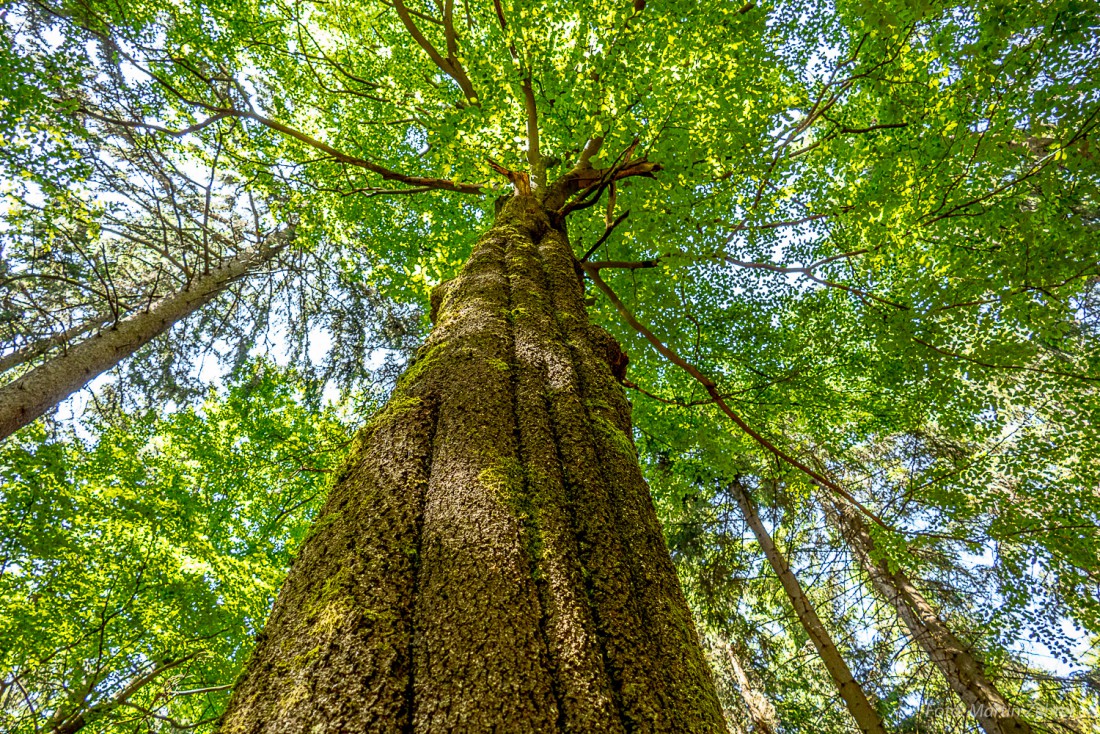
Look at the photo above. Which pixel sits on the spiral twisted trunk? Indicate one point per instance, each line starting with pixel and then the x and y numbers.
pixel 490 560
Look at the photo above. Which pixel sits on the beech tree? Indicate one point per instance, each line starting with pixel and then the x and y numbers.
pixel 815 232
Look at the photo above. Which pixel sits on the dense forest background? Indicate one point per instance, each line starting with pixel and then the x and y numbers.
pixel 854 267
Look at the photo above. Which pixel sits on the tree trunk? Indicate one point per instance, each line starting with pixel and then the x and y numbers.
pixel 44 387
pixel 760 709
pixel 28 352
pixel 490 559
pixel 964 672
pixel 867 718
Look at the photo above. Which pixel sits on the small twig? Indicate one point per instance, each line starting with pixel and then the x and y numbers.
pixel 606 233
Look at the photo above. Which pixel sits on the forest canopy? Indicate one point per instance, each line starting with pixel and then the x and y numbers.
pixel 847 252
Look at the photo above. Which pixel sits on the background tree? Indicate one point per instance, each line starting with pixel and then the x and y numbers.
pixel 138 562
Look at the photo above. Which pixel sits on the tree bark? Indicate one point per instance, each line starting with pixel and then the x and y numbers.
pixel 964 672
pixel 44 387
pixel 28 352
pixel 865 715
pixel 490 558
pixel 760 709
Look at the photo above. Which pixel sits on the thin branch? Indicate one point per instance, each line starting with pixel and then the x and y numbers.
pixel 451 66
pixel 991 365
pixel 418 14
pixel 712 389
pixel 667 401
pixel 198 691
pixel 385 173
pixel 804 271
pixel 606 233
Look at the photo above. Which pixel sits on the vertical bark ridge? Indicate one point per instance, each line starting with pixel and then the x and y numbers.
pixel 408 724
pixel 581 680
pixel 482 660
pixel 602 552
pixel 667 684
pixel 479 533
pixel 529 507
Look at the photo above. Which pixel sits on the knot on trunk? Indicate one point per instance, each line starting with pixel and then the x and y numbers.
pixel 610 351
pixel 436 299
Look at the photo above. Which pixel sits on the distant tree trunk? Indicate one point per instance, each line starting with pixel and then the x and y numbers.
pixel 760 709
pixel 44 387
pixel 964 672
pixel 28 352
pixel 867 718
pixel 490 558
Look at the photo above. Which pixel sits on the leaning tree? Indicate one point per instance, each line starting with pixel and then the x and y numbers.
pixel 824 224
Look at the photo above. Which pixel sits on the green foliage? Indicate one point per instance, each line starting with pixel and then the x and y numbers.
pixel 875 229
pixel 154 544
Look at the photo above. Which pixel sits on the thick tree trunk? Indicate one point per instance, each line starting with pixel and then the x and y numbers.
pixel 490 560
pixel 964 672
pixel 865 715
pixel 44 387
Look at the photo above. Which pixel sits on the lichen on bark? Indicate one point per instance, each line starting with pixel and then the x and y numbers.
pixel 491 559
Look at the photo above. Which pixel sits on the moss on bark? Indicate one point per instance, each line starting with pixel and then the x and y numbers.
pixel 491 559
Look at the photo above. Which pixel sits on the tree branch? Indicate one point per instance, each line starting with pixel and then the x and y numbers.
pixel 535 164
pixel 386 173
pixel 806 271
pixel 712 389
pixel 606 233
pixel 451 66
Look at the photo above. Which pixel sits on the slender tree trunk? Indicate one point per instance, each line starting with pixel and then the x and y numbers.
pixel 28 352
pixel 490 559
pixel 761 712
pixel 867 718
pixel 964 672
pixel 760 708
pixel 44 387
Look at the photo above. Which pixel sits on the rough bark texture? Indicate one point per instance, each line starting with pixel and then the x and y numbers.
pixel 44 387
pixel 963 671
pixel 865 715
pixel 490 560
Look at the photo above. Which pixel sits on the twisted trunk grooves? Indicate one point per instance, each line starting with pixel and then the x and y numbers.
pixel 964 672
pixel 490 559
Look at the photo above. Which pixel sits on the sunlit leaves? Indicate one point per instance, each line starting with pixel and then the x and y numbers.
pixel 153 540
